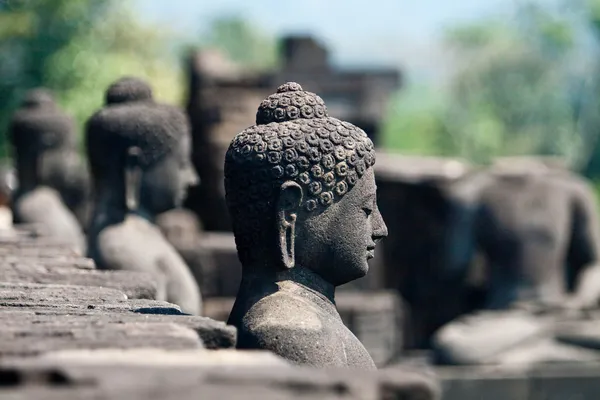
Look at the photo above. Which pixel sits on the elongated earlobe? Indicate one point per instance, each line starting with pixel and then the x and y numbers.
pixel 290 198
pixel 133 178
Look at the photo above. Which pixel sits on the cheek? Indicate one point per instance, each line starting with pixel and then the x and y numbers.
pixel 350 234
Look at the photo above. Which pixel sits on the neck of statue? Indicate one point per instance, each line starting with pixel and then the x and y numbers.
pixel 300 275
pixel 27 175
pixel 110 207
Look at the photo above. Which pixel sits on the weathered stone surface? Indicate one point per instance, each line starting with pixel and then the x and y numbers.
pixel 227 273
pixel 475 384
pixel 429 205
pixel 157 357
pixel 213 382
pixel 214 334
pixel 548 382
pixel 374 317
pixel 52 261
pixel 49 262
pixel 135 285
pixel 305 221
pixel 134 305
pixel 376 320
pixel 52 294
pixel 63 333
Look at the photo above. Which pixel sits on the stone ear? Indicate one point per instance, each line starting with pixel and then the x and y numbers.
pixel 133 178
pixel 288 204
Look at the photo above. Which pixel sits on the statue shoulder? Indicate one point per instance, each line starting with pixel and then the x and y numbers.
pixel 292 329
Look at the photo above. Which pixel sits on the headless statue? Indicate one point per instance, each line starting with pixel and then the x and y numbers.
pixel 301 192
pixel 540 235
pixel 139 153
pixel 43 141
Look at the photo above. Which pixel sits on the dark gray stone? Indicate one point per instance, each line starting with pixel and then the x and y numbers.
pixel 226 273
pixel 139 154
pixel 429 205
pixel 214 334
pixel 540 234
pixel 50 263
pixel 135 285
pixel 54 294
pixel 479 384
pixel 301 192
pixel 62 334
pixel 213 382
pixel 51 176
pixel 376 320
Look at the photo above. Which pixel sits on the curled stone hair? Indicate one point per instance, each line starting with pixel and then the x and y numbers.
pixel 294 139
pixel 39 124
pixel 154 128
pixel 128 89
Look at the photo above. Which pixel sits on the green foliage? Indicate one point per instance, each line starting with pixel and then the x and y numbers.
pixel 77 48
pixel 242 43
pixel 512 91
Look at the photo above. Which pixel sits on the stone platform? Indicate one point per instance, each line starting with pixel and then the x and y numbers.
pixel 69 331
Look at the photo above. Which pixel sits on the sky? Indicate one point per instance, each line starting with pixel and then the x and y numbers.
pixel 402 33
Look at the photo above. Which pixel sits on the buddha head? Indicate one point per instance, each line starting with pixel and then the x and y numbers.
pixel 127 90
pixel 139 153
pixel 301 190
pixel 42 136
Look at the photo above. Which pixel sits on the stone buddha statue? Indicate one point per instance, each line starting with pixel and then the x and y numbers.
pixel 301 192
pixel 43 139
pixel 139 153
pixel 539 232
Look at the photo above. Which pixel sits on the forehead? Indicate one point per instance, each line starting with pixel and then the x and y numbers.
pixel 365 188
pixel 184 145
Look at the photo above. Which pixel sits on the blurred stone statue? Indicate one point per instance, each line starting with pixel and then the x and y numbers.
pixel 539 232
pixel 183 229
pixel 48 168
pixel 139 153
pixel 301 192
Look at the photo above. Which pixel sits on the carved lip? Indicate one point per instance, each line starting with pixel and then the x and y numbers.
pixel 370 252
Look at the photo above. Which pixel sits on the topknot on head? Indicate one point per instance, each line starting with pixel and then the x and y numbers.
pixel 290 103
pixel 290 87
pixel 128 89
pixel 39 97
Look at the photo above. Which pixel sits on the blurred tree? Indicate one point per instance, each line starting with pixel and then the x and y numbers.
pixel 76 48
pixel 518 86
pixel 242 43
pixel 510 93
pixel 590 105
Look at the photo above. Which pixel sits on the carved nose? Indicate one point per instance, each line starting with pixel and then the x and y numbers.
pixel 193 178
pixel 380 229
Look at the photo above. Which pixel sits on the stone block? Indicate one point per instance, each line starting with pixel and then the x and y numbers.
pixel 32 380
pixel 218 308
pixel 376 320
pixel 227 265
pixel 135 285
pixel 214 334
pixel 14 293
pixel 63 333
pixel 156 357
pixel 50 262
pixel 483 384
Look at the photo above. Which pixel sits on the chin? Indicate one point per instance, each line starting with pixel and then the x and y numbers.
pixel 354 273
